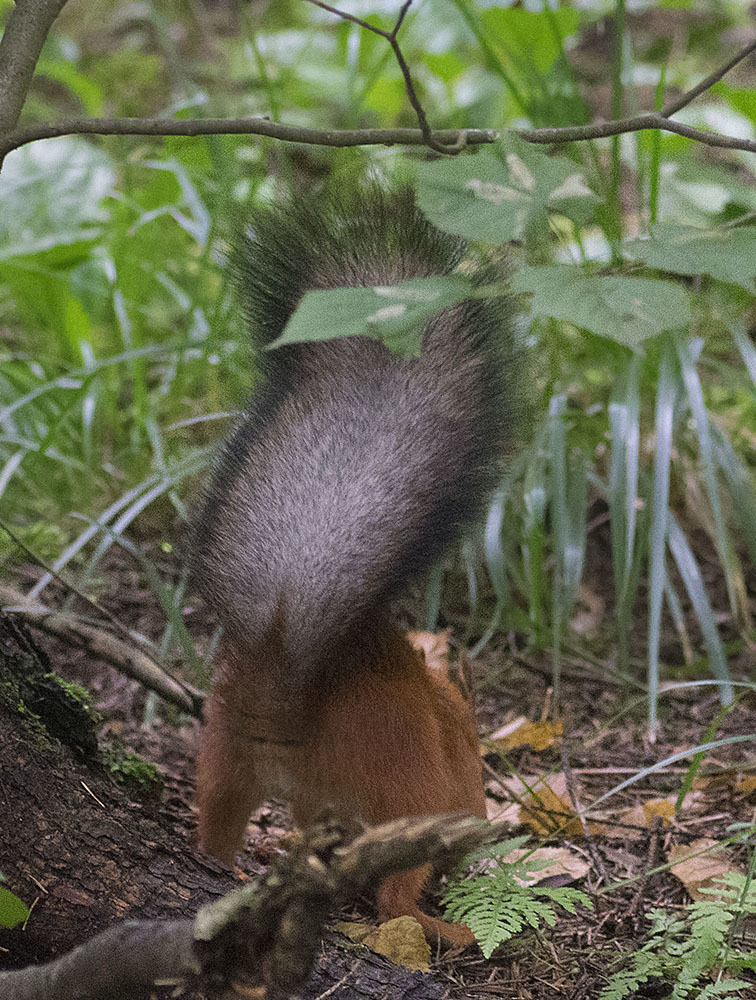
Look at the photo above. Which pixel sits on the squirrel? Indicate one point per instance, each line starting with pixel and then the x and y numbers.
pixel 349 475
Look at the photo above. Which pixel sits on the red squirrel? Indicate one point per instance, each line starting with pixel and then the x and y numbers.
pixel 350 474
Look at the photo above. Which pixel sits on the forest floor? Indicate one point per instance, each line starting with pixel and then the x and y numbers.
pixel 536 776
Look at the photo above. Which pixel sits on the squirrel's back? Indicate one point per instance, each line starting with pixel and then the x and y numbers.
pixel 353 469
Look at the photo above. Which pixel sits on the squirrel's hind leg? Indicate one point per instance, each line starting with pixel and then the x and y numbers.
pixel 242 756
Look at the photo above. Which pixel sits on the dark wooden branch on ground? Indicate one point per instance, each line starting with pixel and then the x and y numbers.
pixel 103 645
pixel 265 935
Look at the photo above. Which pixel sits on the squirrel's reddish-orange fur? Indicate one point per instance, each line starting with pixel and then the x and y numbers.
pixel 398 740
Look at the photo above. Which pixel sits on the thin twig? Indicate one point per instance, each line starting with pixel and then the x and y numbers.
pixel 674 106
pixel 355 20
pixel 71 588
pixel 640 123
pixel 460 141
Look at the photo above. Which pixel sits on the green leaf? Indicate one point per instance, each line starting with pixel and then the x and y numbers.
pixel 391 313
pixel 84 87
pixel 52 250
pixel 725 254
pixel 530 34
pixel 496 906
pixel 626 310
pixel 496 194
pixel 741 99
pixel 12 910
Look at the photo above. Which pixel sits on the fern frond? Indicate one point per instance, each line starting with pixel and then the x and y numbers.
pixel 495 906
pixel 646 966
pixel 724 988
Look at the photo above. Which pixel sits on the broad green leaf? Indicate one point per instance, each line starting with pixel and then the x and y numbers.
pixel 725 254
pixel 627 310
pixel 12 910
pixel 494 195
pixel 527 36
pixel 54 186
pixel 52 250
pixel 84 87
pixel 741 99
pixel 391 313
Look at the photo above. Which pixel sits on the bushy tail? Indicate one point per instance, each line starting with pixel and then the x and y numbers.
pixel 353 469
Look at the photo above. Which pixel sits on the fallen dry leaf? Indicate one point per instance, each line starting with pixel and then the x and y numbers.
pixel 631 824
pixel 543 805
pixel 403 941
pixel 698 870
pixel 746 784
pixel 355 930
pixel 560 862
pixel 521 733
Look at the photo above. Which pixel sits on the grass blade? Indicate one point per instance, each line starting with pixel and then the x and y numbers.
pixel 691 575
pixel 747 350
pixel 733 573
pixel 624 424
pixel 559 527
pixel 659 502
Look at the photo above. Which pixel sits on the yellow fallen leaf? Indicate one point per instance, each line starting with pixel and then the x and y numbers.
pixel 631 824
pixel 665 808
pixel 697 870
pixel 521 733
pixel 542 803
pixel 746 784
pixel 403 941
pixel 355 930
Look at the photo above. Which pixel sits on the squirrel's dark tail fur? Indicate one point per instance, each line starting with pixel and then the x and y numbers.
pixel 353 469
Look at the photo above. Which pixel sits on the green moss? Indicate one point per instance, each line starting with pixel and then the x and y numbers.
pixel 129 768
pixel 78 693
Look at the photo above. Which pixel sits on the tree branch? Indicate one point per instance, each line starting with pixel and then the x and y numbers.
pixel 265 934
pixel 650 120
pixel 674 106
pixel 241 126
pixel 102 644
pixel 429 139
pixel 20 46
pixel 363 137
